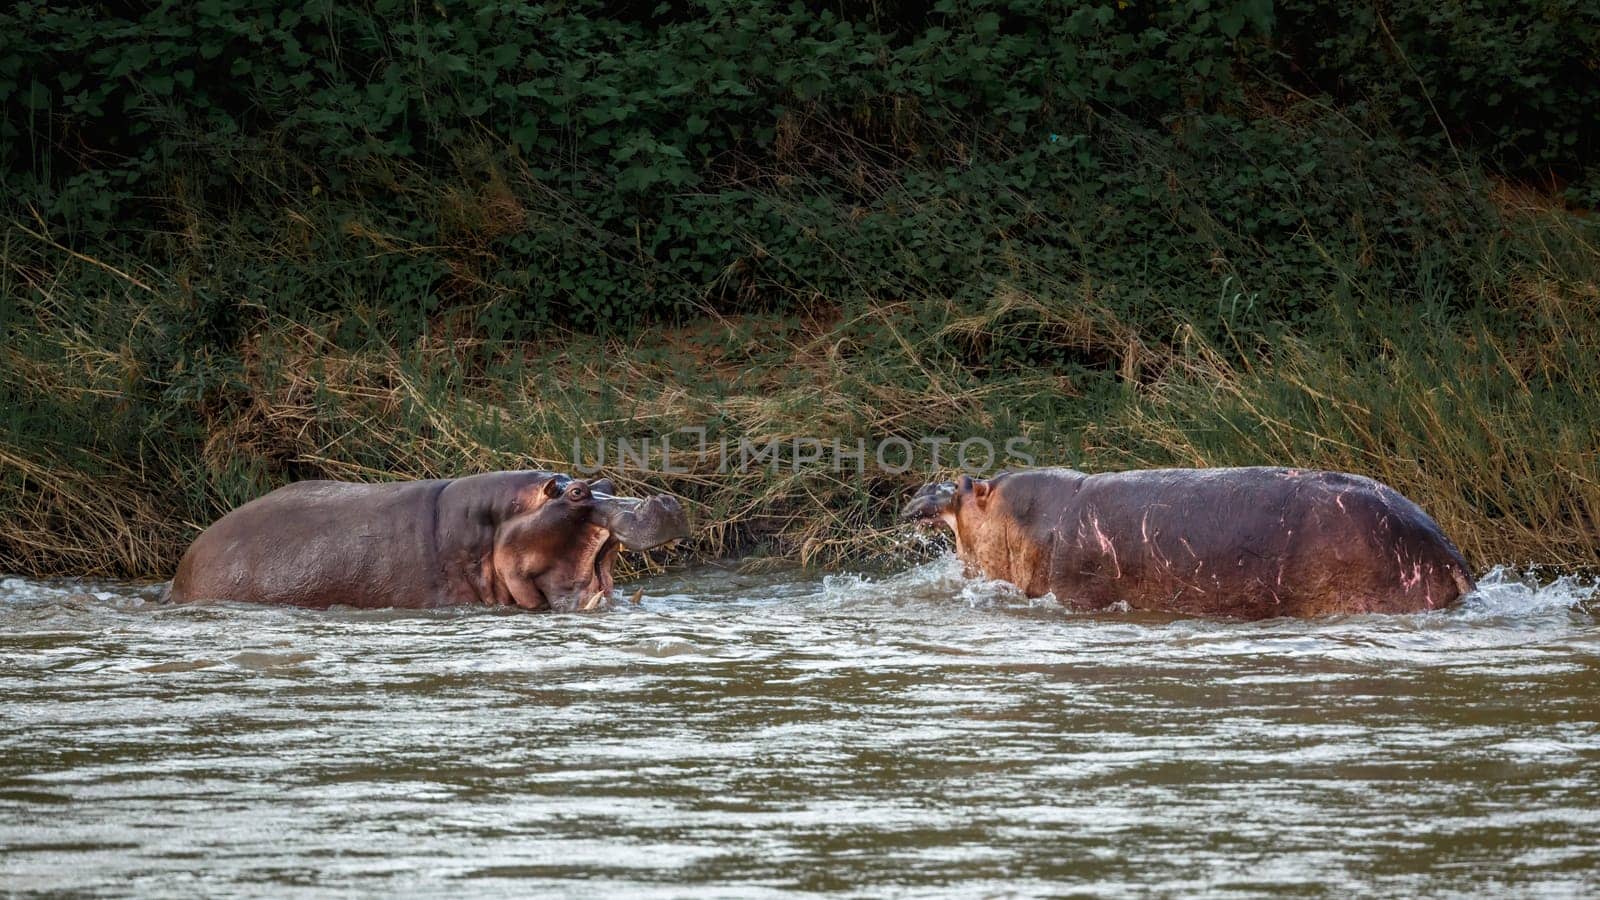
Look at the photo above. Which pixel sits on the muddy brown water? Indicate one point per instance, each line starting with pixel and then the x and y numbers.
pixel 744 735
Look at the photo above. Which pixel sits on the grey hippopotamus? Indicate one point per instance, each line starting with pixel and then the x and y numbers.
pixel 538 540
pixel 1248 543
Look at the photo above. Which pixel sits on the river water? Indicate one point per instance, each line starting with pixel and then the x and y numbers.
pixel 748 735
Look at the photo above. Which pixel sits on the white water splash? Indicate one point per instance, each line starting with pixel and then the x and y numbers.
pixel 940 579
pixel 1505 592
pixel 1502 592
pixel 27 592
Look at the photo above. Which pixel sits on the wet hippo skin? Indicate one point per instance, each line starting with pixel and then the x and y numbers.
pixel 538 540
pixel 1247 543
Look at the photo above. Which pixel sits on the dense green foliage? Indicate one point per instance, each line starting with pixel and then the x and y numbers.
pixel 188 186
pixel 601 166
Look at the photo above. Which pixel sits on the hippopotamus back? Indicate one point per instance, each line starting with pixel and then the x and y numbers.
pixel 313 543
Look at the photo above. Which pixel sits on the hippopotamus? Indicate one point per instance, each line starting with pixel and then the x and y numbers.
pixel 1248 543
pixel 537 540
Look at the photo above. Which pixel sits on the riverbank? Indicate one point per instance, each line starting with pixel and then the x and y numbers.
pixel 1212 234
pixel 1485 418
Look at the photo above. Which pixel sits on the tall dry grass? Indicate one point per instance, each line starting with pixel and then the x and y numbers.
pixel 1494 434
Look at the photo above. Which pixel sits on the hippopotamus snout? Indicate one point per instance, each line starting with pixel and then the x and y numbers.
pixel 930 503
pixel 643 524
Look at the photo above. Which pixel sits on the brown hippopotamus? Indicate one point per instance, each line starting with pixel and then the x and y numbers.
pixel 1249 543
pixel 538 540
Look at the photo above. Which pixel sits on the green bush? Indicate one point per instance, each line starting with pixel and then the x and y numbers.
pixel 1515 83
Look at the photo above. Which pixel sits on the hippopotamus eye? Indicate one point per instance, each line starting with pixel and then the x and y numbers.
pixel 578 492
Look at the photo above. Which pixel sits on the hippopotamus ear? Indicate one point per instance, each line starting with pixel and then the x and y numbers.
pixel 977 490
pixel 552 487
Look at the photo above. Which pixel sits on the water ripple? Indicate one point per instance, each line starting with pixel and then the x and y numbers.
pixel 750 735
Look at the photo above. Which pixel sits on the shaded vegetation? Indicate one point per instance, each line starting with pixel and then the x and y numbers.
pixel 243 245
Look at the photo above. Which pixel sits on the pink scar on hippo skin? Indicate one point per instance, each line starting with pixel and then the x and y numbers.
pixel 1155 551
pixel 1416 576
pixel 1419 576
pixel 1105 543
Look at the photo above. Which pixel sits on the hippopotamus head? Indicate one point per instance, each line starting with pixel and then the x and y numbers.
pixel 1003 526
pixel 557 552
pixel 948 503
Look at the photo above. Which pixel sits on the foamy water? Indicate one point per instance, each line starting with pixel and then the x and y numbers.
pixel 741 735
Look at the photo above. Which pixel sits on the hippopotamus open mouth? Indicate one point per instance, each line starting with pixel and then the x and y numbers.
pixel 616 522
